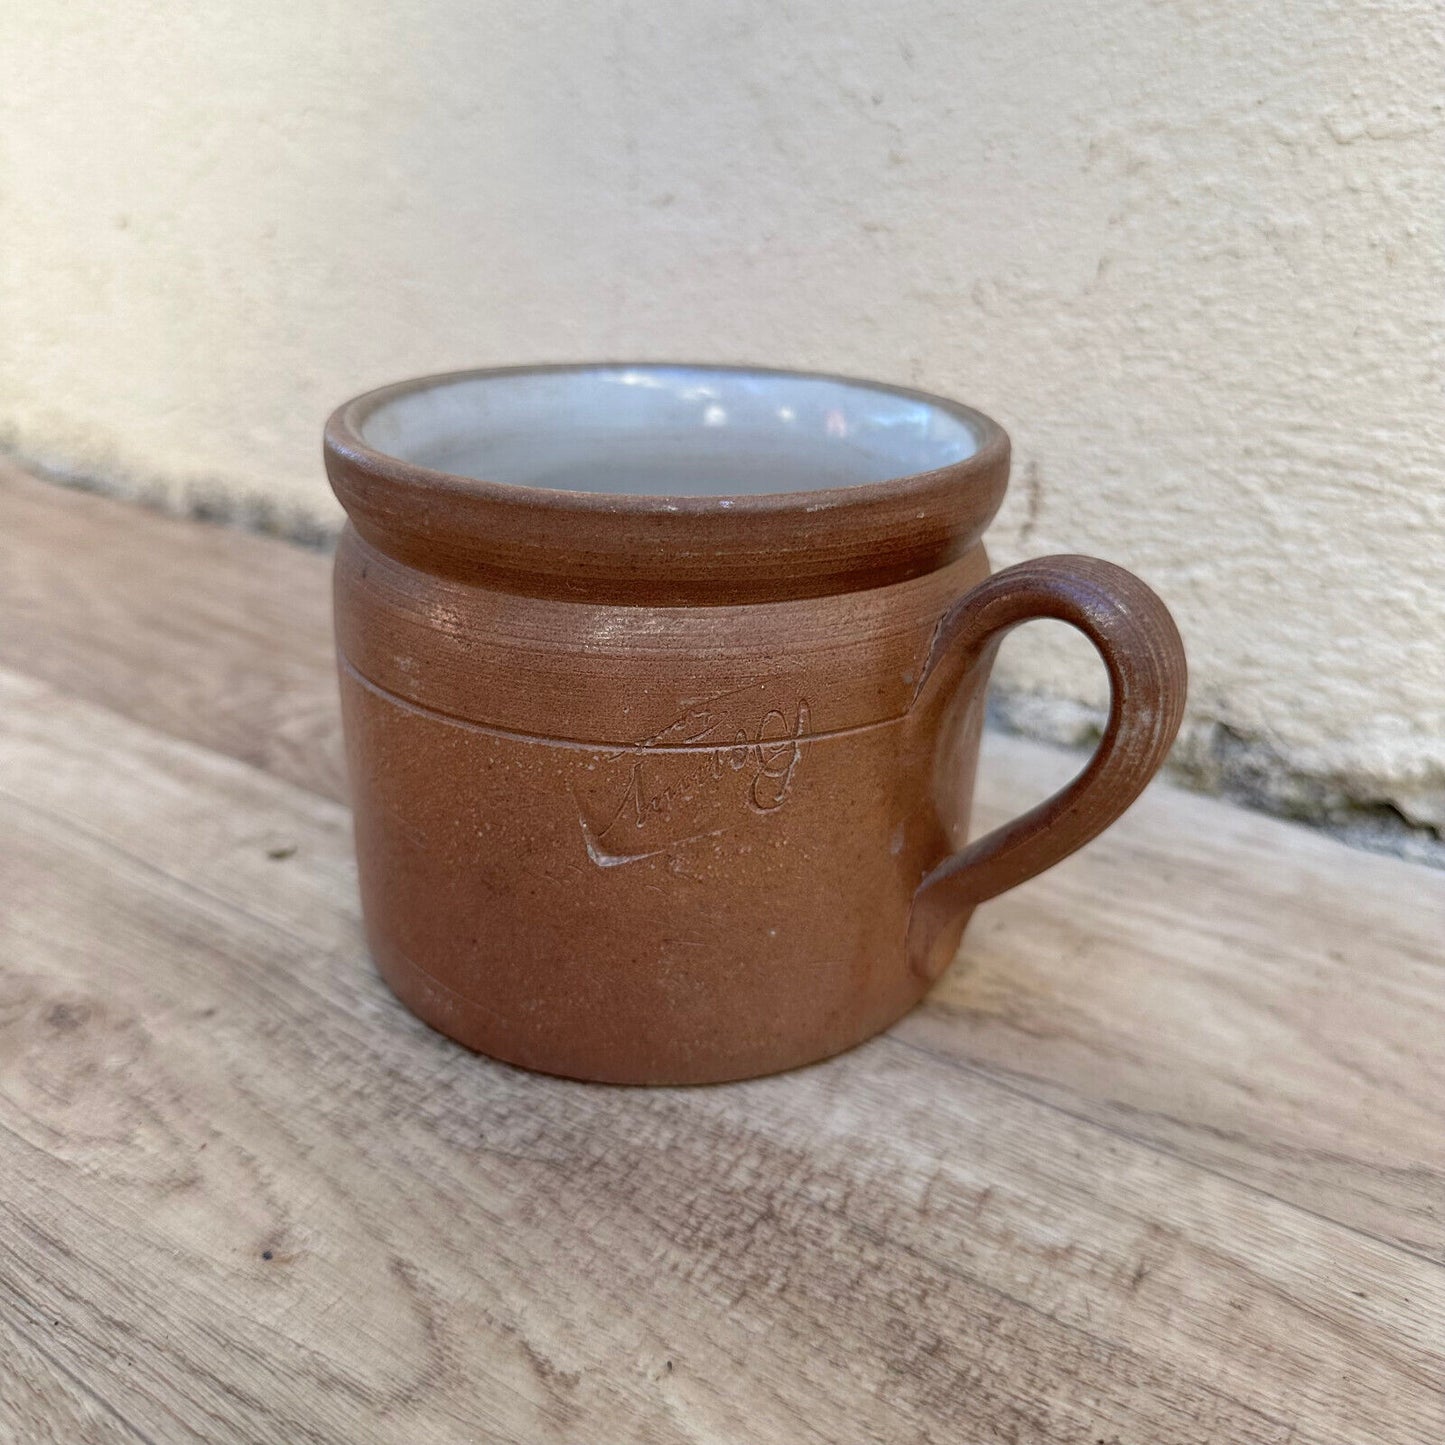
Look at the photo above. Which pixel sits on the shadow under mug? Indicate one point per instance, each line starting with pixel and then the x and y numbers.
pixel 662 689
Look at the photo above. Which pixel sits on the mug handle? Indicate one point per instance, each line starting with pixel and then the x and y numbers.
pixel 1136 637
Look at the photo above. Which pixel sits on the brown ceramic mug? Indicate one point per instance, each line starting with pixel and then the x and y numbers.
pixel 662 688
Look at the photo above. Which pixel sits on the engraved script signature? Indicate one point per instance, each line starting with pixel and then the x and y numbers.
pixel 674 766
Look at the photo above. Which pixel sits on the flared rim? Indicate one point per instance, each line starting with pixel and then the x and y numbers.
pixel 638 546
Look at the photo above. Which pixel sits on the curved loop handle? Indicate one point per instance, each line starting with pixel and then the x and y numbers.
pixel 1140 645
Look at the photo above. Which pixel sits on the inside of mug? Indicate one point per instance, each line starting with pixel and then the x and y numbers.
pixel 667 430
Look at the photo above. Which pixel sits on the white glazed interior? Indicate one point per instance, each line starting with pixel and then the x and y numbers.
pixel 667 430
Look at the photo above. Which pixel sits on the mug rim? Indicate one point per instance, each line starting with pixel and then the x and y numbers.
pixel 722 546
pixel 347 426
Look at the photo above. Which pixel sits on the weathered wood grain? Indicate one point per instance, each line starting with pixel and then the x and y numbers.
pixel 199 1070
pixel 42 1402
pixel 1242 992
pixel 205 633
pixel 1161 1160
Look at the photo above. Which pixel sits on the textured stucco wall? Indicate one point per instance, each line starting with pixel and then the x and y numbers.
pixel 1192 255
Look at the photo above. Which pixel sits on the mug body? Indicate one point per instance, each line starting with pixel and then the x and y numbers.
pixel 644 771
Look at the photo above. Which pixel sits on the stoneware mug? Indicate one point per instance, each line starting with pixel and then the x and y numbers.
pixel 662 688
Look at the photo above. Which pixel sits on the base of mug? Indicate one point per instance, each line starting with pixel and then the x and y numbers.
pixel 473 1025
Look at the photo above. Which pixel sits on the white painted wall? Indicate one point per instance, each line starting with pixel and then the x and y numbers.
pixel 1191 254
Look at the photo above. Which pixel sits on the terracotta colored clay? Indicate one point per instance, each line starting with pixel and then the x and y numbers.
pixel 662 737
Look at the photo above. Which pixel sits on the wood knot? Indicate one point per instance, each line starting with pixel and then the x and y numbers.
pixel 65 1018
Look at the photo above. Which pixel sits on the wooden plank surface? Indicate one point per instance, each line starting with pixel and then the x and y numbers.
pixel 209 634
pixel 1244 993
pixel 202 1071
pixel 1160 1161
pixel 1273 943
